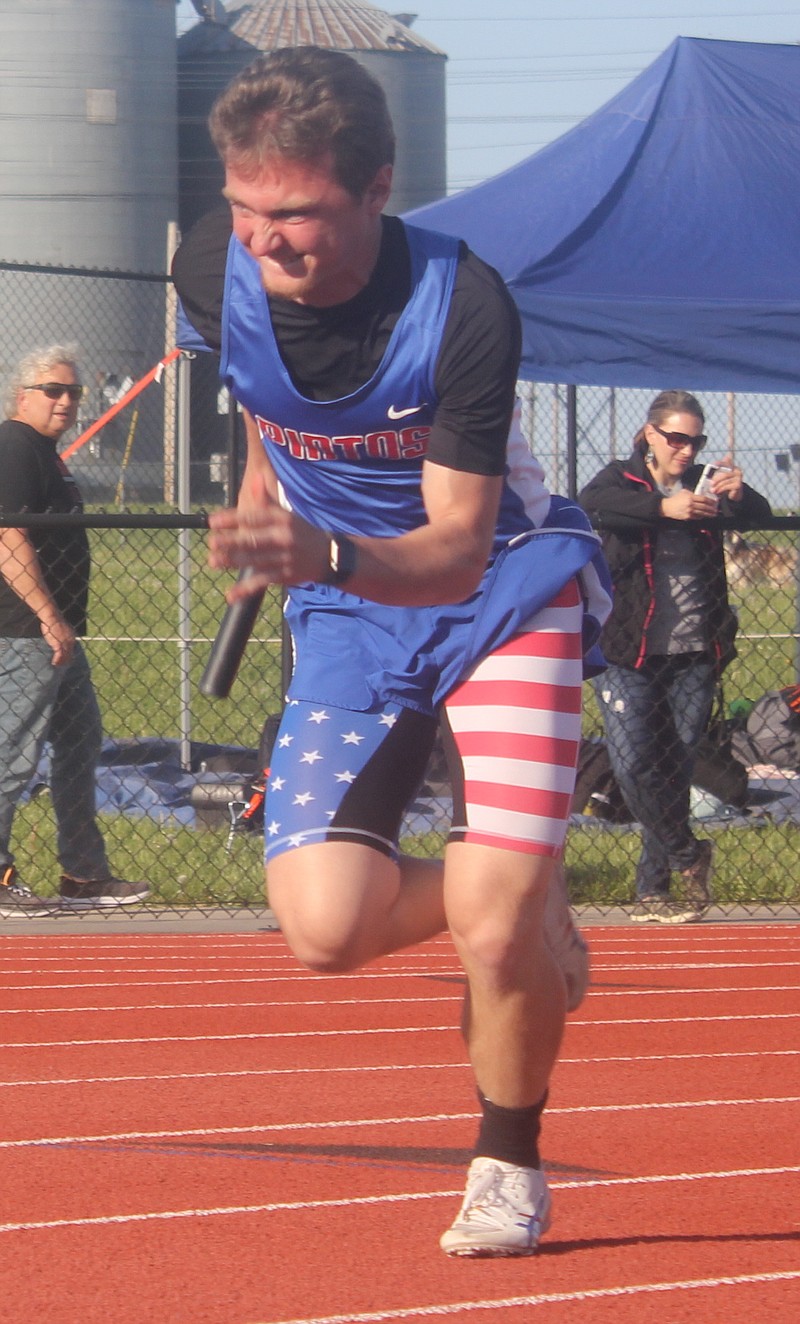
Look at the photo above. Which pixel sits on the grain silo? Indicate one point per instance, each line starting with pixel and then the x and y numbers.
pixel 87 132
pixel 410 69
pixel 88 144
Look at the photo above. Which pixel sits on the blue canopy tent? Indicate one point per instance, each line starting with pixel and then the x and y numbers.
pixel 659 240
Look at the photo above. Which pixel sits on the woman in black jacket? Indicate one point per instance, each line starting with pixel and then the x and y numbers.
pixel 670 634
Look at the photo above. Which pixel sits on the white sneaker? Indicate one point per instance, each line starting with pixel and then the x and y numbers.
pixel 505 1211
pixel 565 940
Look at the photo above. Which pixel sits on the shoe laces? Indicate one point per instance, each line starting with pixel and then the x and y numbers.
pixel 500 1194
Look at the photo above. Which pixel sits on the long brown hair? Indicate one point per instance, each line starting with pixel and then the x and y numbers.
pixel 666 403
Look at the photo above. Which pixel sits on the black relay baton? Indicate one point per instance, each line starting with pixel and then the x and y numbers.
pixel 229 645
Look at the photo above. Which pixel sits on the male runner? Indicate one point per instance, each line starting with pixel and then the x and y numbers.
pixel 431 577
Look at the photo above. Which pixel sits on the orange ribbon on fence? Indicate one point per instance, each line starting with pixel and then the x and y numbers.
pixel 129 395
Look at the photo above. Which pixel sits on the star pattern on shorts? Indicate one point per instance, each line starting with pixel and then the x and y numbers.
pixel 311 777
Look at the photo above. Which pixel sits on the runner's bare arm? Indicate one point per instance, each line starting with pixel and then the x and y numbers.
pixel 441 561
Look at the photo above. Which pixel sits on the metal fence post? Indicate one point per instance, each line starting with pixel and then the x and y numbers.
pixel 572 441
pixel 184 560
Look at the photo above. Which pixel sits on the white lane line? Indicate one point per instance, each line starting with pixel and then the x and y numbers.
pixel 543 1299
pixel 204 982
pixel 424 999
pixel 651 967
pixel 272 1005
pixel 390 1067
pixel 283 1128
pixel 141 963
pixel 365 1002
pixel 198 967
pixel 362 976
pixel 404 1197
pixel 225 1075
pixel 400 1029
pixel 614 938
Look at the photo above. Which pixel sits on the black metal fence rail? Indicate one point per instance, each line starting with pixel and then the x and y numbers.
pixel 178 768
pixel 178 780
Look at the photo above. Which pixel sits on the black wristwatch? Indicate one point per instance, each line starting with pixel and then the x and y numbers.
pixel 341 560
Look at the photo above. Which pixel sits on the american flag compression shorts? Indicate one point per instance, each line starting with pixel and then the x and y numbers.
pixel 511 731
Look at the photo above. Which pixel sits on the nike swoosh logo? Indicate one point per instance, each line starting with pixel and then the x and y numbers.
pixel 404 413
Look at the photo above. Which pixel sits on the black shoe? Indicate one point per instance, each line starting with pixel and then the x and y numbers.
pixel 100 893
pixel 18 901
pixel 696 891
pixel 663 910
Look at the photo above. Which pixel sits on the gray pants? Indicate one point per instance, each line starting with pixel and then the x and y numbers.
pixel 40 702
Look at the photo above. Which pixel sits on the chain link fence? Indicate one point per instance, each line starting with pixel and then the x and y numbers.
pixel 179 778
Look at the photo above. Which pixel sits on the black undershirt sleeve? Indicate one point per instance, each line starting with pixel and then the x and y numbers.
pixel 476 373
pixel 198 271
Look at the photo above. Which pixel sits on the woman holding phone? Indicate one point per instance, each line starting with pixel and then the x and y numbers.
pixel 668 638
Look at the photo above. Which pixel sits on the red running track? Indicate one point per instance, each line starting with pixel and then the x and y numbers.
pixel 197 1132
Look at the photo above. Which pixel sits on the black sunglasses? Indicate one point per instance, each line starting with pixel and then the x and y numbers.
pixel 677 440
pixel 55 390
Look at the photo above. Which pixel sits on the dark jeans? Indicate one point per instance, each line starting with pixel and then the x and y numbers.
pixel 41 702
pixel 654 716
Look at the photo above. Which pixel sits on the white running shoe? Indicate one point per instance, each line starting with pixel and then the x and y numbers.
pixel 505 1211
pixel 565 940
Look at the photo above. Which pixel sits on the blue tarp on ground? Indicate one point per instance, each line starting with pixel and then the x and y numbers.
pixel 145 779
pixel 658 242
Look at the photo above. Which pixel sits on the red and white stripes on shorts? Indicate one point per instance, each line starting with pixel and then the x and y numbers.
pixel 516 723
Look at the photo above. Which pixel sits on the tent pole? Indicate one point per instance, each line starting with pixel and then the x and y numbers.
pixel 612 422
pixel 556 440
pixel 731 401
pixel 572 441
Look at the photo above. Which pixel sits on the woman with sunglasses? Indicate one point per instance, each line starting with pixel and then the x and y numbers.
pixel 668 638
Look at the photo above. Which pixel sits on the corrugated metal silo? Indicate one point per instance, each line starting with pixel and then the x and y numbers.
pixel 88 144
pixel 88 132
pixel 411 70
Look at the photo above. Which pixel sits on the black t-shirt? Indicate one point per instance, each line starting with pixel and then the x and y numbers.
pixel 331 352
pixel 35 480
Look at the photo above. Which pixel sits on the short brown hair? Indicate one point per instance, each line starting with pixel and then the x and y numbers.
pixel 302 103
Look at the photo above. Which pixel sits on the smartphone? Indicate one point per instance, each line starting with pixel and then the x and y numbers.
pixel 703 487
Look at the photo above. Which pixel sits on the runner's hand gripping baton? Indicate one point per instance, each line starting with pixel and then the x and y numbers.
pixel 229 645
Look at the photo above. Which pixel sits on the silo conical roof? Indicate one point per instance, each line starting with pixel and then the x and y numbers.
pixel 410 70
pixel 344 25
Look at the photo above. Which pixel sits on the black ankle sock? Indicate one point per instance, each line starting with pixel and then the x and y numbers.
pixel 510 1134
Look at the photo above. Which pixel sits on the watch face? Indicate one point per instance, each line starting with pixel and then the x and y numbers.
pixel 342 560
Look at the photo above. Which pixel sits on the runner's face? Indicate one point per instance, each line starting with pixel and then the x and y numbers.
pixel 50 417
pixel 313 241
